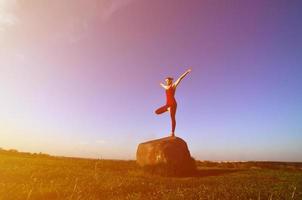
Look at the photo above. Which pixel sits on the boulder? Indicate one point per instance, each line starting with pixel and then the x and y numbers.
pixel 167 156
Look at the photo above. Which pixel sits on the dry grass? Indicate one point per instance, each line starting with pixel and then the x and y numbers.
pixel 24 176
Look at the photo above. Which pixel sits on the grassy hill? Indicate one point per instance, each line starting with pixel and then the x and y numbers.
pixel 40 176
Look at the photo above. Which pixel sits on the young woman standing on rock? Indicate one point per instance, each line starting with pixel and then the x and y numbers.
pixel 171 103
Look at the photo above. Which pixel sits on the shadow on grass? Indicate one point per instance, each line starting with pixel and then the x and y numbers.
pixel 214 172
pixel 188 168
pixel 171 171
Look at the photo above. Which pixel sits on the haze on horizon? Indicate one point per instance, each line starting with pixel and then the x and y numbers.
pixel 82 79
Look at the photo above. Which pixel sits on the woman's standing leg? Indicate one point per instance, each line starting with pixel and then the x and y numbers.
pixel 173 119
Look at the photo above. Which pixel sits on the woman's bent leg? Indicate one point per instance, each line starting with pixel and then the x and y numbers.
pixel 162 109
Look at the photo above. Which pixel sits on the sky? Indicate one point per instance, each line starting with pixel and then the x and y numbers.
pixel 81 78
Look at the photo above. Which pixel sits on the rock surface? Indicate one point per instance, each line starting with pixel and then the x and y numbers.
pixel 169 156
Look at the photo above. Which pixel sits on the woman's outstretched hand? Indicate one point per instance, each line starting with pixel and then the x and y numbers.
pixel 162 85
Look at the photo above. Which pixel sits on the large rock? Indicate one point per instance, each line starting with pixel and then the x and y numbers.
pixel 167 156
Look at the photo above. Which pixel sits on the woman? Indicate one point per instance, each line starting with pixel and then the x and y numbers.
pixel 171 103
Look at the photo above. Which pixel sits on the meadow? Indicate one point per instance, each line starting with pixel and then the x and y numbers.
pixel 39 176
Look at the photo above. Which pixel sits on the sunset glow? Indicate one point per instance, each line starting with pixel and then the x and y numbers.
pixel 82 79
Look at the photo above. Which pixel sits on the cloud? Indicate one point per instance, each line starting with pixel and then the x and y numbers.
pixel 84 143
pixel 7 14
pixel 100 141
pixel 56 20
pixel 113 6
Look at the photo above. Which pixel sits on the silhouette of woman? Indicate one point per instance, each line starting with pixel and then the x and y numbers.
pixel 171 103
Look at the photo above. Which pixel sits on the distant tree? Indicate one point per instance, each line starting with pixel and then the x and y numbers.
pixel 13 151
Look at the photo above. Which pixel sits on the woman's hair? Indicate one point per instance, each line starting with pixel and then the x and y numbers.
pixel 169 78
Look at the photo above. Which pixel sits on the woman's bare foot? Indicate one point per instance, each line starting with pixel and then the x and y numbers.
pixel 172 135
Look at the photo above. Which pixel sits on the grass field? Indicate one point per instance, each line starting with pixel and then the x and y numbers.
pixel 26 176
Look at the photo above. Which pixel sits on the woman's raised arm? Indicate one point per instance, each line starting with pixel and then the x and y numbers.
pixel 181 77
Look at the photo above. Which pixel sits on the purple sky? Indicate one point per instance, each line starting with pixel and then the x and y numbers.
pixel 81 78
